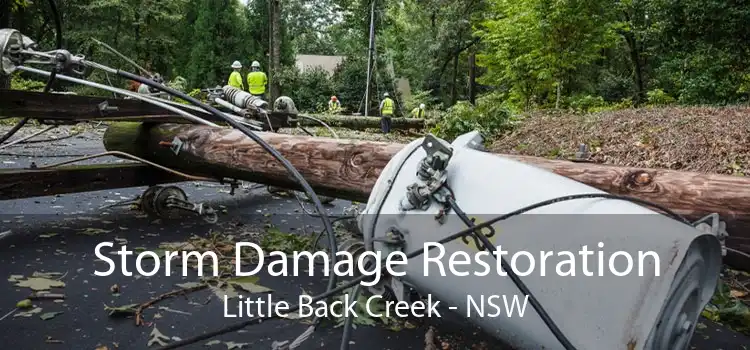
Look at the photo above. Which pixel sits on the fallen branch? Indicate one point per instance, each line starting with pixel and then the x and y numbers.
pixel 145 305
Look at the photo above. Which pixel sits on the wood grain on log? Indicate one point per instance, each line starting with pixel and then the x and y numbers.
pixel 348 169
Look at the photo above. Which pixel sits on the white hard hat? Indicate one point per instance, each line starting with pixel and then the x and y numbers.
pixel 421 106
pixel 255 64
pixel 236 64
pixel 385 94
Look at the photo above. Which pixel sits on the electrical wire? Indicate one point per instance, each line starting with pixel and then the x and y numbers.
pixel 336 136
pixel 268 148
pixel 135 95
pixel 21 140
pixel 53 139
pixel 349 322
pixel 48 86
pixel 129 156
pixel 117 53
pixel 476 229
pixel 514 277
pixel 739 252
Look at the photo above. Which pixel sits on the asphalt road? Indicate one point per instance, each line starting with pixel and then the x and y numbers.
pixel 45 236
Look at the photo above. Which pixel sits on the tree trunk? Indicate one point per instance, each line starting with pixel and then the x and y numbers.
pixel 454 89
pixel 348 169
pixel 275 61
pixel 472 77
pixel 635 58
pixel 5 23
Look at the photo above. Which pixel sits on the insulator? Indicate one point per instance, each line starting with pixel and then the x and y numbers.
pixel 243 99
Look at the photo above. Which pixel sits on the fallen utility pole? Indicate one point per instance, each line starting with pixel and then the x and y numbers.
pixel 25 183
pixel 362 123
pixel 348 169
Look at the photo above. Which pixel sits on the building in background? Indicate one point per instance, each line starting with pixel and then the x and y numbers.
pixel 327 63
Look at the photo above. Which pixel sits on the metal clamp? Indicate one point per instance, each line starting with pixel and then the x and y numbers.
pixel 104 108
pixel 431 174
pixel 167 202
pixel 712 224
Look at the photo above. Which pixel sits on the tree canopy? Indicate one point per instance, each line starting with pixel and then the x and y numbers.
pixel 530 53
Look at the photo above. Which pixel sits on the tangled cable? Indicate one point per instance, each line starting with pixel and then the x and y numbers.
pixel 472 230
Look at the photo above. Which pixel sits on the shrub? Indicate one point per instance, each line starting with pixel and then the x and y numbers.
pixel 658 97
pixel 490 116
pixel 310 89
pixel 585 103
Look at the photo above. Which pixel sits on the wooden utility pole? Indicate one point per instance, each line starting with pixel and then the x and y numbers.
pixel 274 62
pixel 351 167
pixel 370 54
pixel 348 169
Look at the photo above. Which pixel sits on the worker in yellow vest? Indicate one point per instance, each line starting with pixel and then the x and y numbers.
pixel 418 112
pixel 257 80
pixel 235 79
pixel 334 105
pixel 386 113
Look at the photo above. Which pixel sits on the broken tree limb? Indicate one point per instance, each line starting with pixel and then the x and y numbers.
pixel 348 169
pixel 362 123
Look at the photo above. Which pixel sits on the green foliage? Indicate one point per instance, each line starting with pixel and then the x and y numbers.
pixel 532 46
pixel 525 49
pixel 18 4
pixel 349 78
pixel 19 83
pixel 276 240
pixel 728 309
pixel 178 83
pixel 658 97
pixel 490 116
pixel 586 103
pixel 421 96
pixel 310 89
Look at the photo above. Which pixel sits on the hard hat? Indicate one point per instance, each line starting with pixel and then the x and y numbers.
pixel 421 106
pixel 236 65
pixel 255 64
pixel 385 94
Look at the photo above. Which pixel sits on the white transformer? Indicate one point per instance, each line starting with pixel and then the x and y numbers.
pixel 638 310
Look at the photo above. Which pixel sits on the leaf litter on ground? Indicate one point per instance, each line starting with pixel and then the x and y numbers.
pixel 40 283
pixel 29 313
pixel 49 315
pixel 156 337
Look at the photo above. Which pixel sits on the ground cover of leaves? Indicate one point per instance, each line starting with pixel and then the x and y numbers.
pixel 702 139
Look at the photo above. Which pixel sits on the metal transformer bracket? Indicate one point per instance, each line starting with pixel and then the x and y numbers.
pixel 431 175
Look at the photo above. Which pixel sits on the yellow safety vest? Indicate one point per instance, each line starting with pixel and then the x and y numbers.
pixel 417 113
pixel 387 107
pixel 235 80
pixel 256 82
